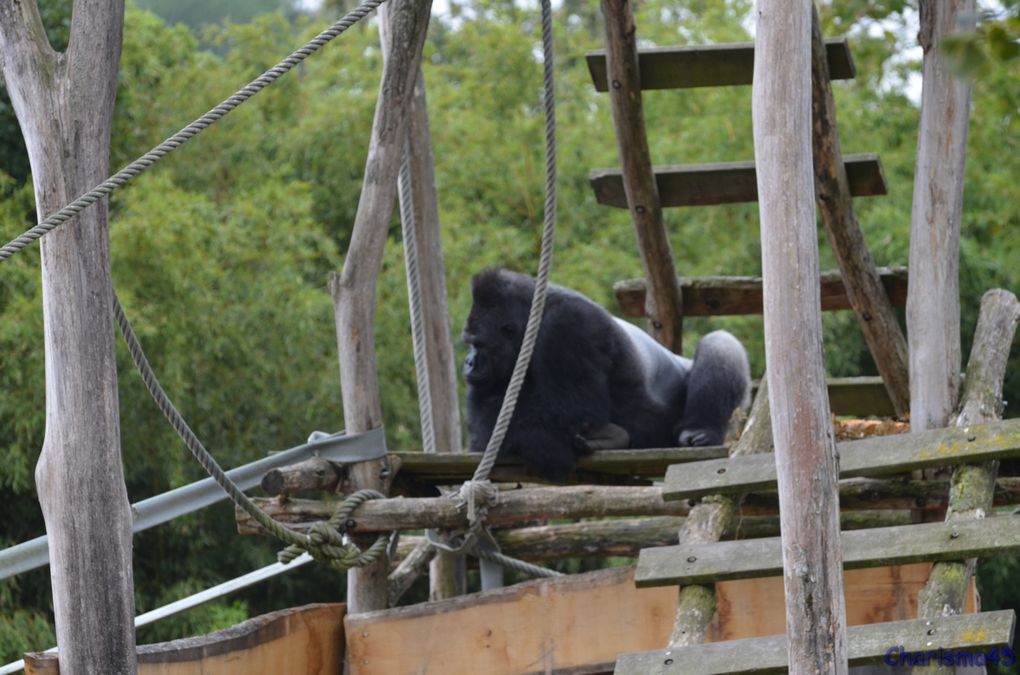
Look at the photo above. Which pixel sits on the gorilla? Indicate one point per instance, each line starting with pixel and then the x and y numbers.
pixel 595 382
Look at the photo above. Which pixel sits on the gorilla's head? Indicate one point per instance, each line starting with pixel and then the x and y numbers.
pixel 495 326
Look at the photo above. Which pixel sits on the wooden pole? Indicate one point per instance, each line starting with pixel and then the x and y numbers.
pixel 863 284
pixel 664 303
pixel 802 431
pixel 933 296
pixel 354 289
pixel 446 572
pixel 64 103
pixel 973 486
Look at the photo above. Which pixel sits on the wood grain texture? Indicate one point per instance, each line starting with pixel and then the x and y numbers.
pixel 876 456
pixel 933 305
pixel 875 317
pixel 663 303
pixel 64 104
pixel 354 289
pixel 805 453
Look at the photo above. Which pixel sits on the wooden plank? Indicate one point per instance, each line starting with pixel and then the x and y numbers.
pixel 725 182
pixel 752 558
pixel 580 623
pixel 964 634
pixel 305 640
pixel 728 296
pixel 708 65
pixel 874 456
pixel 860 397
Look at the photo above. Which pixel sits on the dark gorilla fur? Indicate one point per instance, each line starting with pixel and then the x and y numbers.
pixel 594 383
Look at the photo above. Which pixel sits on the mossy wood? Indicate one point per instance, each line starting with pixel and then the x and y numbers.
pixel 725 182
pixel 723 296
pixel 861 548
pixel 969 633
pixel 866 457
pixel 708 65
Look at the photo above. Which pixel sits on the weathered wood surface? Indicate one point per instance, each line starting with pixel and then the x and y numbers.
pixel 64 105
pixel 973 486
pixel 512 506
pixel 420 470
pixel 583 621
pixel 354 289
pixel 724 296
pixel 708 65
pixel 933 304
pixel 861 548
pixel 875 316
pixel 446 571
pixel 725 182
pixel 315 473
pixel 876 456
pixel 663 305
pixel 805 452
pixel 971 633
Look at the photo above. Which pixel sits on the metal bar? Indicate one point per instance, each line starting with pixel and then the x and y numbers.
pixel 156 510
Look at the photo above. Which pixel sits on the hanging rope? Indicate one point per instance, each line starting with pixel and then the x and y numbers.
pixel 128 173
pixel 324 541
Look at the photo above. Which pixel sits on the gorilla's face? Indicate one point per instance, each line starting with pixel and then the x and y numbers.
pixel 493 340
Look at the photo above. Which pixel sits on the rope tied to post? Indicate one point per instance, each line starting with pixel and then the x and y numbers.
pixel 327 543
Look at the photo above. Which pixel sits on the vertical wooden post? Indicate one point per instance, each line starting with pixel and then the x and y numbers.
pixel 64 103
pixel 805 450
pixel 664 301
pixel 933 296
pixel 354 289
pixel 864 288
pixel 446 572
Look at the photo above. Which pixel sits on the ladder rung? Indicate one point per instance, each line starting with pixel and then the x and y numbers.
pixel 708 65
pixel 725 182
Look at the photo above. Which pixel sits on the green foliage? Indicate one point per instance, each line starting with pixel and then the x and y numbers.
pixel 221 253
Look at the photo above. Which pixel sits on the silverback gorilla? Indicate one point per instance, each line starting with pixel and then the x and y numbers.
pixel 595 382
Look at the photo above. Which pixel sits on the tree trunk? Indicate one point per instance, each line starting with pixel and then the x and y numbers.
pixel 804 446
pixel 933 296
pixel 64 103
pixel 354 289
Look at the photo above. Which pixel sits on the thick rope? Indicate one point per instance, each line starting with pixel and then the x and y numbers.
pixel 128 173
pixel 478 494
pixel 324 541
pixel 418 337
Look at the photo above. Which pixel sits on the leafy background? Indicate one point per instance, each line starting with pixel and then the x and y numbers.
pixel 221 253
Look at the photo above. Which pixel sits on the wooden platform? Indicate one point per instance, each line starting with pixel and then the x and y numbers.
pixel 708 65
pixel 582 623
pixel 735 296
pixel 725 182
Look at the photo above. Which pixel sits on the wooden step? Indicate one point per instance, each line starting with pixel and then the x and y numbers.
pixel 977 634
pixel 728 296
pixel 725 182
pixel 873 547
pixel 708 65
pixel 876 456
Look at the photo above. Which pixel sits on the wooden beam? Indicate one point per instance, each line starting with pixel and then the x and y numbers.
pixel 870 644
pixel 663 305
pixel 708 65
pixel 881 455
pixel 725 182
pixel 875 316
pixel 875 547
pixel 354 289
pixel 726 296
pixel 933 305
pixel 805 456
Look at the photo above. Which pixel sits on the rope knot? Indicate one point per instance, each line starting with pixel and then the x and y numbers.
pixel 478 496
